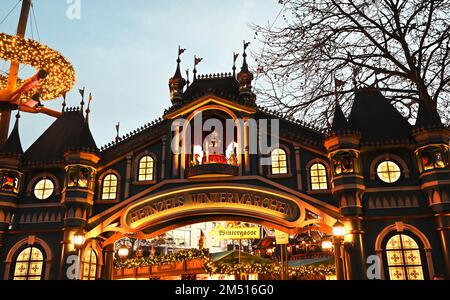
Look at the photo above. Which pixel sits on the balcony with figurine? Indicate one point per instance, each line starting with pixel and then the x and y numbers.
pixel 214 159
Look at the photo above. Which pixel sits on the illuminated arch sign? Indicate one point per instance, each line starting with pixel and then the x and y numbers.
pixel 229 200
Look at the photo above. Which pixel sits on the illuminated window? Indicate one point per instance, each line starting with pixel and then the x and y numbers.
pixel 434 158
pixel 90 265
pixel 29 264
pixel 319 179
pixel 44 189
pixel 146 167
pixel 343 162
pixel 403 258
pixel 9 181
pixel 109 187
pixel 79 176
pixel 388 171
pixel 279 162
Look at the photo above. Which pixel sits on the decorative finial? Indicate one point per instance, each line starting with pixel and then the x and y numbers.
pixel 337 84
pixel 244 55
pixel 64 104
pixel 180 51
pixel 197 60
pixel 118 132
pixel 82 97
pixel 235 57
pixel 187 78
pixel 88 110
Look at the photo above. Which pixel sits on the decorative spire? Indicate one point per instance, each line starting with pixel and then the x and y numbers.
pixel 88 110
pixel 82 97
pixel 426 117
pixel 235 57
pixel 64 104
pixel 244 63
pixel 245 77
pixel 197 60
pixel 339 120
pixel 13 145
pixel 187 78
pixel 177 82
pixel 118 132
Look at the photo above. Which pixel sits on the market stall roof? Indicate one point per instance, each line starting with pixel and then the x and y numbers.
pixel 232 257
pixel 311 261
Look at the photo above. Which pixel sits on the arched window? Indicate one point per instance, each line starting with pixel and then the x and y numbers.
pixel 146 168
pixel 279 162
pixel 109 187
pixel 388 171
pixel 29 264
pixel 318 174
pixel 90 265
pixel 404 258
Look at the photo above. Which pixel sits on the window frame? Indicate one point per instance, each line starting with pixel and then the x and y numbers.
pixel 37 178
pixel 288 173
pixel 400 172
pixel 417 240
pixel 310 177
pixel 89 263
pixel 29 261
pixel 44 179
pixel 100 183
pixel 111 177
pixel 136 169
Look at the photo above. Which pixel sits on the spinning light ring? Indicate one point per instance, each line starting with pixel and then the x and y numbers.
pixel 61 75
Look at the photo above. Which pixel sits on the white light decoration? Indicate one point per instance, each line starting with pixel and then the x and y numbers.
pixel 61 75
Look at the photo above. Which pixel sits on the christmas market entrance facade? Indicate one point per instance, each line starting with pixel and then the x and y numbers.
pixel 193 202
pixel 374 188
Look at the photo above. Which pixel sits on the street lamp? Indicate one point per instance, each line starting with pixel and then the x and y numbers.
pixel 338 237
pixel 123 252
pixel 338 230
pixel 78 242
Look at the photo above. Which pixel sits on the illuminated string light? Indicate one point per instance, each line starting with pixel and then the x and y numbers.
pixel 311 272
pixel 61 75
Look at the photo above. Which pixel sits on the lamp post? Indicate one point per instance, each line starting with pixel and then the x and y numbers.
pixel 338 237
pixel 78 242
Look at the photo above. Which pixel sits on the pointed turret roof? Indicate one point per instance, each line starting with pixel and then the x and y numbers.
pixel 427 118
pixel 13 144
pixel 375 117
pixel 339 120
pixel 70 131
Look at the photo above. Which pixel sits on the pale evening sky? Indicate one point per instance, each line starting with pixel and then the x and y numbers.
pixel 124 52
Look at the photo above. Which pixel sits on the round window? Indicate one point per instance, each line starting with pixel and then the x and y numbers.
pixel 44 189
pixel 388 171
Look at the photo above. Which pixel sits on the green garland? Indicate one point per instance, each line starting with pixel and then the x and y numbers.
pixel 212 268
pixel 162 259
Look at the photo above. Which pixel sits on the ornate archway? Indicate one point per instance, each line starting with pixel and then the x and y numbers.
pixel 157 213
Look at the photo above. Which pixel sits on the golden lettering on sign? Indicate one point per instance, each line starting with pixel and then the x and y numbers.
pixel 287 208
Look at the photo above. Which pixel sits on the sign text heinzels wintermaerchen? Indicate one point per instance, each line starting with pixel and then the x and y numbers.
pixel 243 199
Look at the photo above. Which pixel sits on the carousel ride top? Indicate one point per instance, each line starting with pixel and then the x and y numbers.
pixel 54 75
pixel 54 78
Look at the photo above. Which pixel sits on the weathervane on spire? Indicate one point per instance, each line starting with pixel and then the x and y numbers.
pixel 197 60
pixel 88 110
pixel 180 51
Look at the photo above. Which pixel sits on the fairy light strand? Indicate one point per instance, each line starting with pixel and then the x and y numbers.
pixel 61 75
